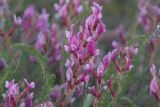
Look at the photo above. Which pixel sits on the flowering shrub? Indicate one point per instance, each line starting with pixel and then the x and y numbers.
pixel 78 54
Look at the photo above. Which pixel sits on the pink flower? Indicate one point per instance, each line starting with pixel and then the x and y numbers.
pixel 93 91
pixel 68 9
pixel 154 86
pixel 69 62
pixel 93 22
pixel 77 6
pixel 62 9
pixel 69 74
pixel 28 100
pixel 29 85
pixel 28 18
pixel 42 22
pixel 73 42
pixel 120 32
pixel 41 42
pixel 100 70
pixel 107 60
pixel 91 47
pixel 29 12
pixel 57 93
pixel 13 89
pixel 12 97
pixel 46 104
pixel 125 54
pixel 96 9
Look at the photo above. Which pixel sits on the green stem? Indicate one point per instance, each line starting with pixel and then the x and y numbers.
pixel 9 48
pixel 115 99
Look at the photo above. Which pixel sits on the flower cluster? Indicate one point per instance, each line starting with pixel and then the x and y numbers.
pixel 67 9
pixel 13 97
pixel 148 15
pixel 46 41
pixel 82 47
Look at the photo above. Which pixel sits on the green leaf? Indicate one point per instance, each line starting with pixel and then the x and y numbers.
pixel 88 101
pixel 31 50
pixel 129 101
pixel 41 62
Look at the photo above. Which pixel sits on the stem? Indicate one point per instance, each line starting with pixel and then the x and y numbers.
pixel 9 48
pixel 84 93
pixel 115 99
pixel 96 101
pixel 66 98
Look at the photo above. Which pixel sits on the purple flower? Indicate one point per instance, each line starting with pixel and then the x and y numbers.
pixel 107 60
pixel 100 70
pixel 42 22
pixel 96 9
pixel 120 32
pixel 46 104
pixel 61 8
pixel 29 85
pixel 148 15
pixel 69 74
pixel 91 47
pixel 125 54
pixel 93 91
pixel 57 92
pixel 93 22
pixel 13 89
pixel 29 12
pixel 28 100
pixel 70 62
pixel 77 6
pixel 41 42
pixel 153 85
pixel 12 97
pixel 28 18
pixel 68 9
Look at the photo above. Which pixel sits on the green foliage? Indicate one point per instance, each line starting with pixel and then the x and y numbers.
pixel 47 77
pixel 7 74
pixel 88 101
